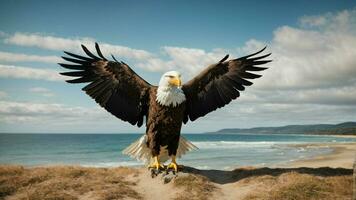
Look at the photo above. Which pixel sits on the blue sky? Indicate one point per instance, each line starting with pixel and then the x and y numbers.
pixel 310 81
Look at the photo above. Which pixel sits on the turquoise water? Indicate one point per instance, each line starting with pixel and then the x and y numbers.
pixel 216 151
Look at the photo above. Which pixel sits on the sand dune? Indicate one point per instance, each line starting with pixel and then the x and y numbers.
pixel 299 180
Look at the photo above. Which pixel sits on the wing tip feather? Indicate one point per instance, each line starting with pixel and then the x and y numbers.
pixel 224 58
pixel 98 51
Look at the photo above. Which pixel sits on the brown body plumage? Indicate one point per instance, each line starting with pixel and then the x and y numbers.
pixel 163 125
pixel 117 88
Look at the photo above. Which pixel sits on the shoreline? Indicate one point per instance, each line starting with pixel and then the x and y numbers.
pixel 344 136
pixel 342 155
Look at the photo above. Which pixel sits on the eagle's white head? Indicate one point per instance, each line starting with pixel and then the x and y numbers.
pixel 169 92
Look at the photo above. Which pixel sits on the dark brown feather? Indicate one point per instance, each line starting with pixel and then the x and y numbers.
pixel 85 49
pixel 220 83
pixel 113 85
pixel 74 60
pixel 99 51
pixel 78 56
pixel 80 80
pixel 74 73
pixel 226 57
pixel 68 66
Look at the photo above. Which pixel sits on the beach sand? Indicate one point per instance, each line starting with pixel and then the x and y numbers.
pixel 323 177
pixel 343 155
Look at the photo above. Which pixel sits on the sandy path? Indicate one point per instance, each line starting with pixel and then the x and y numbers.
pixel 233 191
pixel 153 188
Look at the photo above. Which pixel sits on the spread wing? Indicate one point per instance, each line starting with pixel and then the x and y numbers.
pixel 220 83
pixel 113 85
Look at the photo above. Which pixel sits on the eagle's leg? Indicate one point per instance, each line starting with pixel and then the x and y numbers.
pixel 156 164
pixel 173 165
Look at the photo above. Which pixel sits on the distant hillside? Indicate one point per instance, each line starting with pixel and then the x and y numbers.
pixel 347 128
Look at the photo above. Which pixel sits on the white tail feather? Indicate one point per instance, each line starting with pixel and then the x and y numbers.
pixel 139 150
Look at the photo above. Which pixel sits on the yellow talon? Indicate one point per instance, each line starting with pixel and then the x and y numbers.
pixel 174 165
pixel 156 164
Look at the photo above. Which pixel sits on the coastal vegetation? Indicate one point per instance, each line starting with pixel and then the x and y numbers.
pixel 75 183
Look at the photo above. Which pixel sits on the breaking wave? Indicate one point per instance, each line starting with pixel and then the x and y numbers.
pixel 237 144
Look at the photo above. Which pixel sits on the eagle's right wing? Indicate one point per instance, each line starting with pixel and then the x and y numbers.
pixel 113 85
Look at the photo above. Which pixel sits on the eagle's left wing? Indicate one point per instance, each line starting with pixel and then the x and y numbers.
pixel 220 83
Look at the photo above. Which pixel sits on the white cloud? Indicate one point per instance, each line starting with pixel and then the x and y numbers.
pixel 313 58
pixel 272 113
pixel 187 60
pixel 9 71
pixel 313 21
pixel 239 114
pixel 137 57
pixel 69 44
pixel 191 61
pixel 39 89
pixel 339 22
pixel 252 46
pixel 53 117
pixel 16 57
pixel 154 65
pixel 47 113
pixel 42 91
pixel 323 96
pixel 48 116
pixel 46 42
pixel 32 111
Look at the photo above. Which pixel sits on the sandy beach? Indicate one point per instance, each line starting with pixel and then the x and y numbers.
pixel 324 177
pixel 343 155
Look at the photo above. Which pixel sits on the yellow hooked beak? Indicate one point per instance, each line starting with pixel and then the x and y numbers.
pixel 175 81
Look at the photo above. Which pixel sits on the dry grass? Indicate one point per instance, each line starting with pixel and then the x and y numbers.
pixel 66 183
pixel 195 187
pixel 296 186
pixel 71 183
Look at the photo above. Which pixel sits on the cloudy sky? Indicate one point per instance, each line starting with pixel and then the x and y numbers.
pixel 312 78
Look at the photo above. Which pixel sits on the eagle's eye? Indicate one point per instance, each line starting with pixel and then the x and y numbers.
pixel 169 76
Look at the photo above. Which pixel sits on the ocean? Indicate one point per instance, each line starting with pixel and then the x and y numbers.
pixel 216 151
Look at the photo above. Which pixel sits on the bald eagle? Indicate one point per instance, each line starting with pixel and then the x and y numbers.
pixel 163 108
